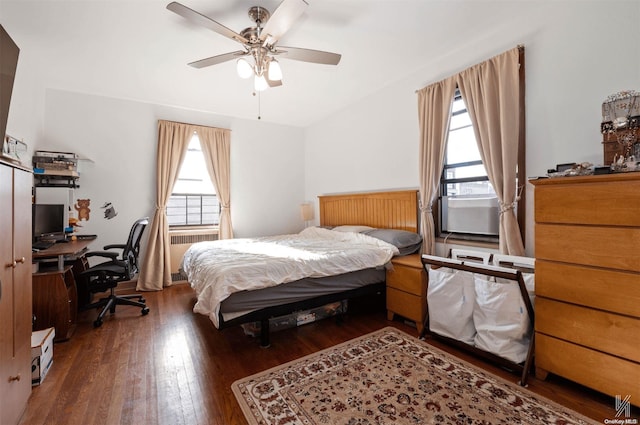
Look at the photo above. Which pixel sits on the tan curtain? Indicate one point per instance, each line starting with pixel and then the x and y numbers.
pixel 216 148
pixel 173 140
pixel 434 109
pixel 491 91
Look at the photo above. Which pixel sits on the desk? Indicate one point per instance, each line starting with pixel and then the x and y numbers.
pixel 55 294
pixel 55 302
pixel 71 250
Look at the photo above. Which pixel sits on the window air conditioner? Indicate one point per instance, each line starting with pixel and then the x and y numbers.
pixel 475 214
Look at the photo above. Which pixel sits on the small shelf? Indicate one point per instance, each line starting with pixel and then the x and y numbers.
pixel 55 180
pixel 55 169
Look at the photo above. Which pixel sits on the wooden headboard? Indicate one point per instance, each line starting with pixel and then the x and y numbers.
pixel 384 210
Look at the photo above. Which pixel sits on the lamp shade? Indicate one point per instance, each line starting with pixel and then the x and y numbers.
pixel 244 68
pixel 260 83
pixel 275 72
pixel 306 210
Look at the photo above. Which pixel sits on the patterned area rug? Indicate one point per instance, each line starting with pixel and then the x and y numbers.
pixel 390 377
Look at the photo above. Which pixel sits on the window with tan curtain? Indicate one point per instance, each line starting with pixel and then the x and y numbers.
pixel 493 92
pixel 193 201
pixel 173 141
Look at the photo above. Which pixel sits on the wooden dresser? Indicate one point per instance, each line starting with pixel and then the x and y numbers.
pixel 407 289
pixel 587 249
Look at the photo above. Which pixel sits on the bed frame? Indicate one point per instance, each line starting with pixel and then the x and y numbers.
pixel 385 210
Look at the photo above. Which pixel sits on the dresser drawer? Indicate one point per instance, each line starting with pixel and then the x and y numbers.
pixel 590 202
pixel 604 289
pixel 406 305
pixel 609 247
pixel 408 279
pixel 600 330
pixel 608 374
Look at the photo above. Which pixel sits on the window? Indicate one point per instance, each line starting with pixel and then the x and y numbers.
pixel 468 205
pixel 193 201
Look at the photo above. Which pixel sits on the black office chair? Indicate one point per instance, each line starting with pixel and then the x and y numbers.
pixel 106 276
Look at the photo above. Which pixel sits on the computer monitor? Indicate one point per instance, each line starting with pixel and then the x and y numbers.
pixel 48 221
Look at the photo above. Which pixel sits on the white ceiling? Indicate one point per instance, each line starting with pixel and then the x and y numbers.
pixel 137 49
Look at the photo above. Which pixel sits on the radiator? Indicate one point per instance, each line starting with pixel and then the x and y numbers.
pixel 180 240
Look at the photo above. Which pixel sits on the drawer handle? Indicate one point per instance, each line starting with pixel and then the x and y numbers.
pixel 14 378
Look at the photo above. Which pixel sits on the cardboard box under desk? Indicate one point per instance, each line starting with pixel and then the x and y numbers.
pixel 41 354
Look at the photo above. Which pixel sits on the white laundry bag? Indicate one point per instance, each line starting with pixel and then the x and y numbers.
pixel 500 317
pixel 450 298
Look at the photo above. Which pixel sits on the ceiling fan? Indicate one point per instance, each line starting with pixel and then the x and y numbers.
pixel 259 42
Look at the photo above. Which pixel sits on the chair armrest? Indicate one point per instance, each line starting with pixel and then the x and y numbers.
pixel 112 255
pixel 114 246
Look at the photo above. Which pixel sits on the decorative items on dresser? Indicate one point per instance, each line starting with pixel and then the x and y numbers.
pixel 15 291
pixel 407 289
pixel 587 246
pixel 620 129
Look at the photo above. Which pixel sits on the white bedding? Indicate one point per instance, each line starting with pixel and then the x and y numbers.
pixel 218 269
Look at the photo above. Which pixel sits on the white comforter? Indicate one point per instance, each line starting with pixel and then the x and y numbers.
pixel 218 269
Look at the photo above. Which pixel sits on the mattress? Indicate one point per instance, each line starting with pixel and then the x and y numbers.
pixel 241 303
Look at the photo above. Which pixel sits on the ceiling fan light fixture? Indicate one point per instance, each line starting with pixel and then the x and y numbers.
pixel 259 42
pixel 244 68
pixel 260 83
pixel 275 72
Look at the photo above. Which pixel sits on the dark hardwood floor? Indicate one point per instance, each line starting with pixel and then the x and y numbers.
pixel 173 367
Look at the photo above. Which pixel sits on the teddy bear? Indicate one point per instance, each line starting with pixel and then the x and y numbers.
pixel 82 206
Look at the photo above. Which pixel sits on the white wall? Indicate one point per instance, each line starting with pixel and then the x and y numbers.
pixel 120 136
pixel 26 111
pixel 577 53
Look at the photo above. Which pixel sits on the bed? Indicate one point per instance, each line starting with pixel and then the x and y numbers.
pixel 255 279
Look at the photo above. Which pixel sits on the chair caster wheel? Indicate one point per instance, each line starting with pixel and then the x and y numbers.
pixel 145 311
pixel 97 323
pixel 142 300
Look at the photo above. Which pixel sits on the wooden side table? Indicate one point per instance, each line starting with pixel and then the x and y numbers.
pixel 407 289
pixel 55 301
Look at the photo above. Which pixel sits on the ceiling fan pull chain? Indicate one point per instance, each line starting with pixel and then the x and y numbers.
pixel 259 110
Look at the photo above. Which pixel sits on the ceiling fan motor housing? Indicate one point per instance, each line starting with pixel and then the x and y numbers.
pixel 259 15
pixel 251 34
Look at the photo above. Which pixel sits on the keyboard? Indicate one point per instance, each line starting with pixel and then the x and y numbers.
pixel 40 245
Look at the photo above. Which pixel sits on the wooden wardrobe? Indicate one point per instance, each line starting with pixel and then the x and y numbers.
pixel 15 295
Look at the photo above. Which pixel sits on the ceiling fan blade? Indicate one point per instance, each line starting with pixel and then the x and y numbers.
pixel 214 60
pixel 272 84
pixel 205 21
pixel 282 19
pixel 308 55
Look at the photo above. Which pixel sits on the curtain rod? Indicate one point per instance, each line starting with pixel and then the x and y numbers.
pixel 194 125
pixel 520 48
